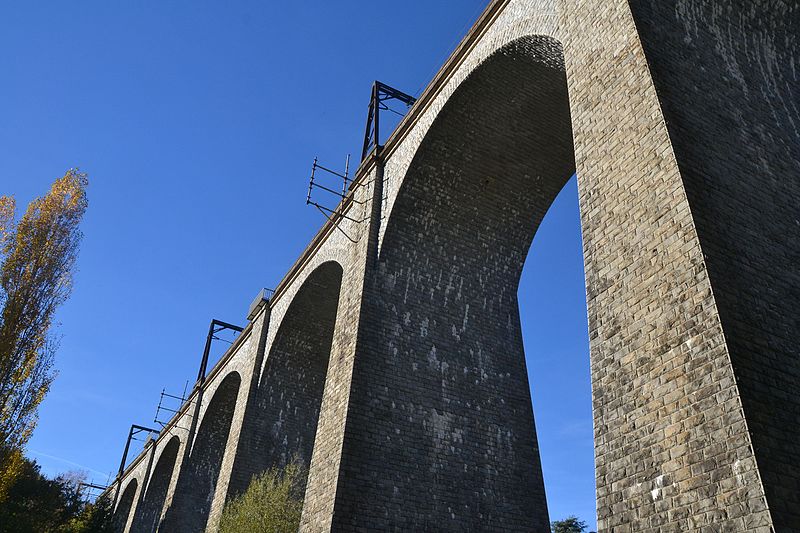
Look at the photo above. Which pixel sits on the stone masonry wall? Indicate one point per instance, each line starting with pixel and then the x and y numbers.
pixel 728 78
pixel 672 448
pixel 681 119
pixel 440 391
pixel 149 474
pixel 284 409
pixel 201 468
pixel 122 513
pixel 148 511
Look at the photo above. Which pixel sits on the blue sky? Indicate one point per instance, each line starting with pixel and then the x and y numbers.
pixel 197 123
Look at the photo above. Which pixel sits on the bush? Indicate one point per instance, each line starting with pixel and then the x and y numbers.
pixel 94 518
pixel 273 502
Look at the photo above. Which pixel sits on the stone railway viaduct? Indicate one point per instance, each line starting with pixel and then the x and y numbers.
pixel 390 358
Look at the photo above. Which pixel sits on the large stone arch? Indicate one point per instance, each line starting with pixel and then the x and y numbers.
pixel 148 512
pixel 197 481
pixel 448 371
pixel 692 343
pixel 284 412
pixel 124 506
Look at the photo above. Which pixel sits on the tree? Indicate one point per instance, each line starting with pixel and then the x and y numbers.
pixel 570 524
pixel 273 502
pixel 36 503
pixel 37 257
pixel 95 517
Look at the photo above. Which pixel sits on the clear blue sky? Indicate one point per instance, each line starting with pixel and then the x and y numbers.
pixel 197 123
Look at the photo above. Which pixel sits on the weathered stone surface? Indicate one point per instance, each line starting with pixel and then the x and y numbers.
pixel 733 113
pixel 394 343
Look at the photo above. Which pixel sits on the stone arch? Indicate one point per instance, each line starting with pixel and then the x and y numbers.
pixel 446 383
pixel 200 470
pixel 285 411
pixel 148 512
pixel 124 506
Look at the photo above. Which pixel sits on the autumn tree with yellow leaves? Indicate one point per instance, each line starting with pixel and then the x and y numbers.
pixel 37 258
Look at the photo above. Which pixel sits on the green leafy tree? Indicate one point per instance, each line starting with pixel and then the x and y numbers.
pixel 570 524
pixel 95 517
pixel 37 504
pixel 273 502
pixel 37 257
